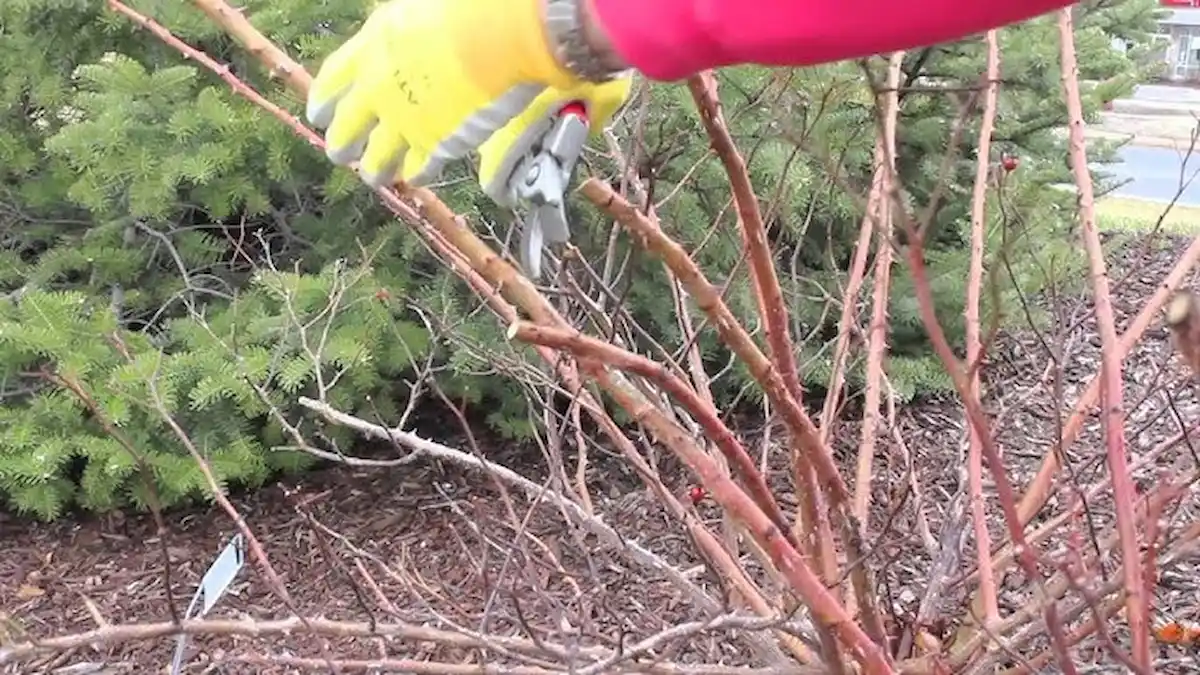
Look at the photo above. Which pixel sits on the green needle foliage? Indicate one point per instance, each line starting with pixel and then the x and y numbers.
pixel 177 268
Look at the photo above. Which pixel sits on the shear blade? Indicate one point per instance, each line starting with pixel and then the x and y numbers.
pixel 553 221
pixel 532 241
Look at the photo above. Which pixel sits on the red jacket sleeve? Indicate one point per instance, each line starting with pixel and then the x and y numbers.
pixel 672 39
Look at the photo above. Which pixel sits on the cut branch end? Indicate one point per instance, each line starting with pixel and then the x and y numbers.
pixel 1181 309
pixel 1183 318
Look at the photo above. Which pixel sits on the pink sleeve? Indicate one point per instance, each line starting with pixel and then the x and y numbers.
pixel 672 39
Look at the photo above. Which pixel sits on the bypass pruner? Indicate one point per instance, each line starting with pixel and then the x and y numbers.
pixel 540 179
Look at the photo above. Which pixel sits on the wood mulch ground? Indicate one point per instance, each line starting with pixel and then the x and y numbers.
pixel 447 535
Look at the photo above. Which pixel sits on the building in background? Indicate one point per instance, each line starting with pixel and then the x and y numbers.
pixel 1180 29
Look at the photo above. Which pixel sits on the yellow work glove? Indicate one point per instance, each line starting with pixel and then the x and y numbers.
pixel 424 82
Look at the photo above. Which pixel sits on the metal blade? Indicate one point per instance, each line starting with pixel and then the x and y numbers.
pixel 542 182
pixel 532 242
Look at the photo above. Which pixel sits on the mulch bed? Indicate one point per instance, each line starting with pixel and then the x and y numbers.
pixel 448 534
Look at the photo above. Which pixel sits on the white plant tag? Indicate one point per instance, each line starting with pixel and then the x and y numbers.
pixel 222 573
pixel 213 584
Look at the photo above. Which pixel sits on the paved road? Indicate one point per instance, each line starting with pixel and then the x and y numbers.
pixel 1169 94
pixel 1155 174
pixel 1158 99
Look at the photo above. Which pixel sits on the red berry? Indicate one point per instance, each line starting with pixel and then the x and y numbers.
pixel 1009 163
pixel 697 494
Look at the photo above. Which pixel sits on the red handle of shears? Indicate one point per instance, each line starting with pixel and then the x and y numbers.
pixel 576 108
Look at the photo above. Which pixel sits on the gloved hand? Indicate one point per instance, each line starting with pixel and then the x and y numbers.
pixel 425 82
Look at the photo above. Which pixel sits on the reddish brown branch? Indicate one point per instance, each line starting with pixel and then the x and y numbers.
pixel 877 339
pixel 824 605
pixel 817 537
pixel 768 533
pixel 1124 491
pixel 878 329
pixel 983 168
pixel 847 322
pixel 976 417
pixel 754 232
pixel 650 236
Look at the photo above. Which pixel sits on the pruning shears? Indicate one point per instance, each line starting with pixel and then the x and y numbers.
pixel 540 179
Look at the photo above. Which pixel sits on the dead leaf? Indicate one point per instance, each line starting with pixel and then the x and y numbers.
pixel 29 592
pixel 927 644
